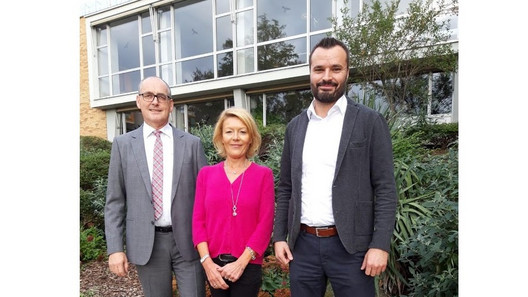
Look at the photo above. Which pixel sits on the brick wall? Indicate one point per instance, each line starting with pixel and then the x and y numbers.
pixel 93 120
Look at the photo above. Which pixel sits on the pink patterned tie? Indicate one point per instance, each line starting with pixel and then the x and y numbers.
pixel 157 176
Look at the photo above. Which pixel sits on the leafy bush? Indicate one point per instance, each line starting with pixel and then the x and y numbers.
pixel 432 252
pixel 93 245
pixel 94 160
pixel 275 277
pixel 92 204
pixel 205 132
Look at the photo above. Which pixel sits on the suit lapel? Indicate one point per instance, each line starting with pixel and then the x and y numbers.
pixel 179 148
pixel 348 126
pixel 138 146
pixel 298 144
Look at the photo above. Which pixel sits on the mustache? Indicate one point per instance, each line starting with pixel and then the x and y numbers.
pixel 326 83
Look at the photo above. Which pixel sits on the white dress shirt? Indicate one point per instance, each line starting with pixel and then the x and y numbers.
pixel 319 162
pixel 168 158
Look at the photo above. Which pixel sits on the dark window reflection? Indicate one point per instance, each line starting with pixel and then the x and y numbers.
pixel 280 107
pixel 205 113
pixel 442 93
pixel 196 70
pixel 280 54
pixel 225 64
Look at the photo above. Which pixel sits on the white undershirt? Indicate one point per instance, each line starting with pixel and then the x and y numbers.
pixel 320 150
pixel 168 158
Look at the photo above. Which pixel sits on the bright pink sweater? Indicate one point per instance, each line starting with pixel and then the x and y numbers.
pixel 213 219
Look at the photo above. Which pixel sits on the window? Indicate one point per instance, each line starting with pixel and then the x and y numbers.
pixel 279 107
pixel 197 40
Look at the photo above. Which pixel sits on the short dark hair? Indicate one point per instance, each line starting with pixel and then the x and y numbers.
pixel 329 42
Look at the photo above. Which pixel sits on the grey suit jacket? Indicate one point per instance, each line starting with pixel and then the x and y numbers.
pixel 364 195
pixel 128 208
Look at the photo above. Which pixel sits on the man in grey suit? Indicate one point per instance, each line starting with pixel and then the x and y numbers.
pixel 336 200
pixel 155 221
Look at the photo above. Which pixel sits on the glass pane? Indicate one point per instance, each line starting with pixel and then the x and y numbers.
pixel 102 60
pixel 244 3
pixel 133 120
pixel 205 113
pixel 196 70
pixel 165 47
pixel 245 60
pixel 281 107
pixel 146 26
pixel 104 86
pixel 280 54
pixel 179 117
pixel 321 12
pixel 149 57
pixel 124 44
pixel 442 93
pixel 353 5
pixel 244 28
pixel 280 18
pixel 194 29
pixel 166 74
pixel 101 35
pixel 222 6
pixel 224 35
pixel 314 39
pixel 125 82
pixel 164 17
pixel 148 72
pixel 225 64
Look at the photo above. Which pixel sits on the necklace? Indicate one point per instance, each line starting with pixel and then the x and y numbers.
pixel 235 203
pixel 233 171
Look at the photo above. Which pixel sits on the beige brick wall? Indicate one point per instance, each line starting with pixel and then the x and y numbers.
pixel 93 120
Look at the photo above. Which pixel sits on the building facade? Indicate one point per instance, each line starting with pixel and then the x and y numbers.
pixel 213 53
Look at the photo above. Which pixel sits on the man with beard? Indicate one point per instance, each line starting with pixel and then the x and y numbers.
pixel 336 200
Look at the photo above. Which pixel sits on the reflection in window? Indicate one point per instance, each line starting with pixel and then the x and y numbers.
pixel 321 11
pixel 124 50
pixel 286 15
pixel 279 108
pixel 125 82
pixel 442 93
pixel 224 38
pixel 196 70
pixel 244 28
pixel 193 28
pixel 280 54
pixel 245 60
pixel 206 113
pixel 225 64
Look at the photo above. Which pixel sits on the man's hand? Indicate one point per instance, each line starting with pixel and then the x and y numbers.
pixel 375 262
pixel 118 263
pixel 282 252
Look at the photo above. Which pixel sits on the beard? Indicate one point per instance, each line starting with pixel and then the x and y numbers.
pixel 327 97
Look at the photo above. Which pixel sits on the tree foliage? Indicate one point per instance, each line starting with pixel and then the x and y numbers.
pixel 389 51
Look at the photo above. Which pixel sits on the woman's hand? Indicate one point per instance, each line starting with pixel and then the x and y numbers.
pixel 233 271
pixel 213 275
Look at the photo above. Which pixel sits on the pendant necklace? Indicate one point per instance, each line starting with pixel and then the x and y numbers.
pixel 238 195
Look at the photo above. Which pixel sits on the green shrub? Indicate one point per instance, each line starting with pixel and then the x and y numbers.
pixel 92 244
pixel 205 132
pixel 432 252
pixel 92 204
pixel 94 160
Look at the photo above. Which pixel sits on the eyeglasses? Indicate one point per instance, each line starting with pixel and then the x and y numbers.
pixel 149 97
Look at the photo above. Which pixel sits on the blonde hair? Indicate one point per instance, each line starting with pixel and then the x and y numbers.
pixel 246 118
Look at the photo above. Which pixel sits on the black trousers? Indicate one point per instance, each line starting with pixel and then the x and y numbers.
pixel 246 286
pixel 319 259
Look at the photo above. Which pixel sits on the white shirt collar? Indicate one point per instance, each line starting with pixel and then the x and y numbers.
pixel 339 106
pixel 147 130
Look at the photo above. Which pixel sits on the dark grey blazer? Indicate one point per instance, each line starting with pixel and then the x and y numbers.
pixel 129 195
pixel 364 195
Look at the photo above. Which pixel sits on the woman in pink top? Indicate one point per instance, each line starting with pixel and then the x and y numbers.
pixel 233 209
